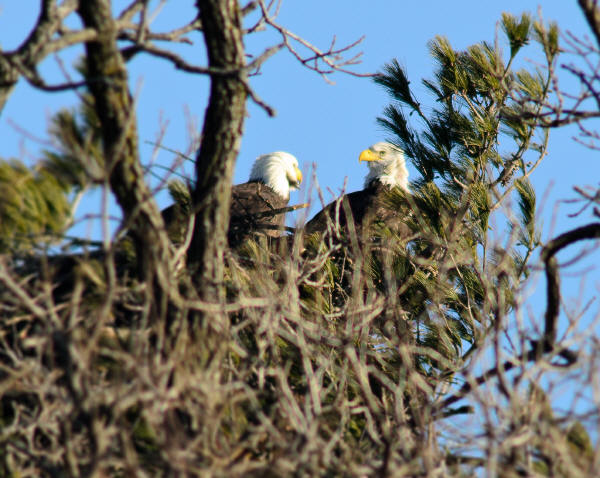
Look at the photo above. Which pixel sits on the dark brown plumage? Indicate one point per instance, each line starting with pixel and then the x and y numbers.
pixel 386 171
pixel 366 206
pixel 255 205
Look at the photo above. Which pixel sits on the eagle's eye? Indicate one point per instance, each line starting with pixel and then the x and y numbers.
pixel 381 154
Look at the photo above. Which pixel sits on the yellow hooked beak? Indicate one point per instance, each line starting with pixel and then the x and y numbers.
pixel 298 179
pixel 368 155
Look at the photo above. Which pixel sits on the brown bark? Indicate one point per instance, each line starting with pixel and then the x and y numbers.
pixel 33 49
pixel 591 231
pixel 107 82
pixel 591 10
pixel 8 79
pixel 222 131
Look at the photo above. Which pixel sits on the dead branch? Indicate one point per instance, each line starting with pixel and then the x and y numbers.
pixel 591 231
pixel 592 15
pixel 34 49
pixel 324 62
pixel 547 343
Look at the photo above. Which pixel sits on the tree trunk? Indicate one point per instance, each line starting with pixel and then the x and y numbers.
pixel 107 78
pixel 221 135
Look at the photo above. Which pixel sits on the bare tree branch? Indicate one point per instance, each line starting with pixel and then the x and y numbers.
pixel 115 110
pixel 33 50
pixel 592 16
pixel 322 62
pixel 547 343
pixel 591 231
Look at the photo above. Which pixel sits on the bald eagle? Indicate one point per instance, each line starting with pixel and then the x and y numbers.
pixel 255 205
pixel 387 169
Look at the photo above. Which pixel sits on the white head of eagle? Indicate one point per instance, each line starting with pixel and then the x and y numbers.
pixel 279 171
pixel 386 165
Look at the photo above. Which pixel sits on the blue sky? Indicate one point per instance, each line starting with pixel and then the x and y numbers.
pixel 322 124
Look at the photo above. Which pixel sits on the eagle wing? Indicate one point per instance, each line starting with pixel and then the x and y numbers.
pixel 366 207
pixel 254 209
